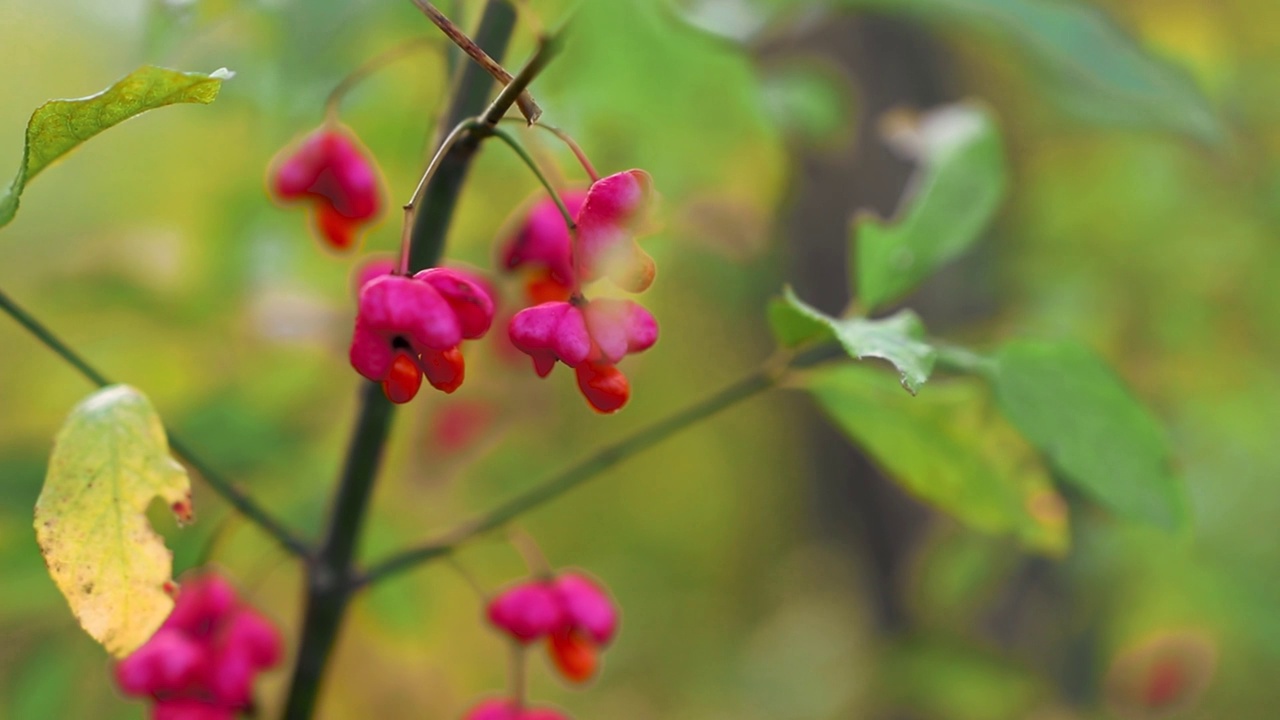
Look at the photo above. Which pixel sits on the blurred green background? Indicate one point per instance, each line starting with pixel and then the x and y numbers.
pixel 765 570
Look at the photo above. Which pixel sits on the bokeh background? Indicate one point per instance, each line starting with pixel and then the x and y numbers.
pixel 766 570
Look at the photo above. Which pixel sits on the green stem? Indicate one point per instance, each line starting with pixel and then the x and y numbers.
pixel 223 487
pixel 747 387
pixel 328 589
pixel 515 145
pixel 330 574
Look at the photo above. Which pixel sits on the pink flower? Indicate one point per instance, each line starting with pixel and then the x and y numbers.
pixel 589 336
pixel 331 170
pixel 500 709
pixel 614 211
pixel 575 615
pixel 608 216
pixel 202 661
pixel 408 327
pixel 544 247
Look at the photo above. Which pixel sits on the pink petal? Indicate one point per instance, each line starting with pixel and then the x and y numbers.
pixel 544 239
pixel 543 363
pixel 356 176
pixel 231 675
pixel 620 327
pixel 203 602
pixel 571 341
pixel 394 305
pixel 168 662
pixel 531 330
pixel 471 301
pixel 255 637
pixel 642 328
pixel 527 611
pixel 607 322
pixel 371 354
pixel 589 608
pixel 606 228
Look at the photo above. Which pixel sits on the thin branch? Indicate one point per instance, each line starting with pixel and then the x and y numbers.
pixel 223 487
pixel 573 146
pixel 765 377
pixel 548 48
pixel 525 101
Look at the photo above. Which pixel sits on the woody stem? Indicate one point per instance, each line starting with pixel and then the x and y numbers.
pixel 329 571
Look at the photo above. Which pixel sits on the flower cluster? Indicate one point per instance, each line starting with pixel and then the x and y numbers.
pixel 330 169
pixel 590 336
pixel 201 663
pixel 408 327
pixel 576 617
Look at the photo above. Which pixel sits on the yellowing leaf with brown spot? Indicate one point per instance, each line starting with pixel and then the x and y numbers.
pixel 110 460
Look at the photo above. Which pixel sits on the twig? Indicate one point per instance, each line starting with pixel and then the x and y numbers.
pixel 765 377
pixel 525 101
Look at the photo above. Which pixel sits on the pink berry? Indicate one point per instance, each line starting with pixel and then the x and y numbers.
pixel 331 170
pixel 543 239
pixel 202 662
pixel 168 662
pixel 614 210
pixel 588 607
pixel 527 611
pixel 550 332
pixel 410 327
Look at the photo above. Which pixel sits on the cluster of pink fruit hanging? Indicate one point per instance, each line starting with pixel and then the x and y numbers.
pixel 411 326
pixel 200 665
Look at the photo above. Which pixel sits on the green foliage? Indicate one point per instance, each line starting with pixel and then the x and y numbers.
pixel 897 339
pixel 110 460
pixel 949 448
pixel 59 126
pixel 1067 402
pixel 1095 68
pixel 958 187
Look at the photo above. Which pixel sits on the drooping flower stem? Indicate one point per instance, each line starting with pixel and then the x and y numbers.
pixel 570 143
pixel 234 496
pixel 528 160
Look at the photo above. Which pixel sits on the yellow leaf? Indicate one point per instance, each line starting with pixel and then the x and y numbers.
pixel 110 460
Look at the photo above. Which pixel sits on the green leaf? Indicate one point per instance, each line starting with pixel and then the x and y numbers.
pixel 59 126
pixel 1069 403
pixel 897 339
pixel 951 449
pixel 956 191
pixel 110 460
pixel 1093 67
